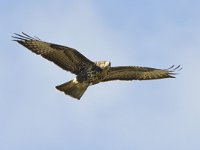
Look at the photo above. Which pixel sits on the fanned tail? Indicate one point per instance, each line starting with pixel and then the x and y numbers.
pixel 73 88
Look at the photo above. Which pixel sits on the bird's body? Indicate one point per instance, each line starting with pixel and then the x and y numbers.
pixel 87 72
pixel 91 74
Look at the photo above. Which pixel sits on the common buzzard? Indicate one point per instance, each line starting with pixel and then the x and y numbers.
pixel 88 72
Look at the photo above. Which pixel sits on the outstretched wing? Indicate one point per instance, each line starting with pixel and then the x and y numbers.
pixel 67 58
pixel 139 73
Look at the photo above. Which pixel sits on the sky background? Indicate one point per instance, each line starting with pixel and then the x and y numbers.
pixel 153 115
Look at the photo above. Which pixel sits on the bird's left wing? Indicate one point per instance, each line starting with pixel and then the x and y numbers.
pixel 67 58
pixel 139 73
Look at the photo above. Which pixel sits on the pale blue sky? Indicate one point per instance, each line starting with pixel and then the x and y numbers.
pixel 153 115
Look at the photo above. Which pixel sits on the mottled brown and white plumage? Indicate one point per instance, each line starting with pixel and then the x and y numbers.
pixel 88 72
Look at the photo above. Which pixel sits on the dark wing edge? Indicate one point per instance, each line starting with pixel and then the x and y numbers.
pixel 23 37
pixel 67 58
pixel 140 73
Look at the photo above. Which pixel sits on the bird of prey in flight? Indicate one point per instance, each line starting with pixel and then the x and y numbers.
pixel 88 72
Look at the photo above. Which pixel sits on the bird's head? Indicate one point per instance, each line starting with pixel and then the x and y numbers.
pixel 103 64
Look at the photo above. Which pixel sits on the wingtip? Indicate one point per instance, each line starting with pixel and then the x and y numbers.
pixel 23 36
pixel 171 76
pixel 173 71
pixel 175 68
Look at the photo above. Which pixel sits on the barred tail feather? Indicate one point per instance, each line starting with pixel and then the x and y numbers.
pixel 73 89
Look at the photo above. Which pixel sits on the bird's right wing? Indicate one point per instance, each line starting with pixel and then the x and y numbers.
pixel 67 58
pixel 139 73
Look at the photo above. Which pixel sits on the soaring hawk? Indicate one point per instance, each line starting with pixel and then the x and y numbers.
pixel 88 72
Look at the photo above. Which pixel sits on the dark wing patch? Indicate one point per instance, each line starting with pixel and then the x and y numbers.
pixel 67 58
pixel 139 73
